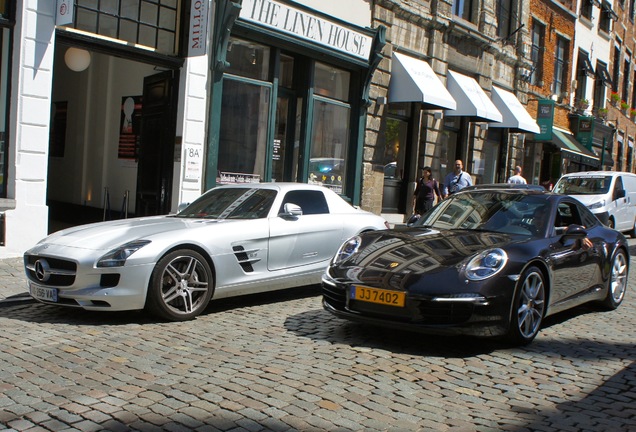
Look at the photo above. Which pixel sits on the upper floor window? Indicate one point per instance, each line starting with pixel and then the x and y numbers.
pixel 632 9
pixel 626 73
pixel 616 68
pixel 464 9
pixel 607 15
pixel 538 47
pixel 587 7
pixel 561 66
pixel 505 18
pixel 151 23
pixel 584 69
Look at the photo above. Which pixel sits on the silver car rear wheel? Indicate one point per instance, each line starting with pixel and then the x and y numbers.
pixel 180 286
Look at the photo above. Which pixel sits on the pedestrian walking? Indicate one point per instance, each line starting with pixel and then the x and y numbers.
pixel 456 180
pixel 517 178
pixel 426 191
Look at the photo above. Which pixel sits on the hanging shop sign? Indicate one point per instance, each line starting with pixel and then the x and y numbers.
pixel 302 24
pixel 585 131
pixel 64 12
pixel 545 120
pixel 198 32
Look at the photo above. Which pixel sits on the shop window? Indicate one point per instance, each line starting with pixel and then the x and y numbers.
pixel 151 23
pixel 248 59
pixel 243 134
pixel 330 128
pixel 5 10
pixel 331 82
pixel 486 162
pixel 538 47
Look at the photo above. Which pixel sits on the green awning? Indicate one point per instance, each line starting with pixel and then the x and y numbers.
pixel 574 150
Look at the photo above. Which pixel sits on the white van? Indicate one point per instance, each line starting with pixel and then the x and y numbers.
pixel 610 195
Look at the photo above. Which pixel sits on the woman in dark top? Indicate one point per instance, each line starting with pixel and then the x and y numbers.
pixel 425 192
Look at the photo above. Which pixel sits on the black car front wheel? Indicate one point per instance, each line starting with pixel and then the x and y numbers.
pixel 528 307
pixel 180 286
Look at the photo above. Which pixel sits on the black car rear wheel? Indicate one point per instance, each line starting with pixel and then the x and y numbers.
pixel 180 286
pixel 617 282
pixel 528 307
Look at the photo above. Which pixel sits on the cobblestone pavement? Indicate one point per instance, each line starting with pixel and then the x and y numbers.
pixel 279 362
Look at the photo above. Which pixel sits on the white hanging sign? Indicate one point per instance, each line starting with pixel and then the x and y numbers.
pixel 64 12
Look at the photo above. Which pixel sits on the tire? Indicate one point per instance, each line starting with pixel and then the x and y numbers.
pixel 181 286
pixel 528 307
pixel 617 283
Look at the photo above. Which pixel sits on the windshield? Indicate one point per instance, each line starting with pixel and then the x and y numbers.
pixel 584 185
pixel 231 203
pixel 505 212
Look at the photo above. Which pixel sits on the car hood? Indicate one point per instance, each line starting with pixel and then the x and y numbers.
pixel 104 235
pixel 412 251
pixel 588 199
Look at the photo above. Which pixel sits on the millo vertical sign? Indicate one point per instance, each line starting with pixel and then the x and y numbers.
pixel 64 12
pixel 198 28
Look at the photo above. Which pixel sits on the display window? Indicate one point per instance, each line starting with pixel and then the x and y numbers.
pixel 284 117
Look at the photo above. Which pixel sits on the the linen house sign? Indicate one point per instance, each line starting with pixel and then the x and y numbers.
pixel 299 23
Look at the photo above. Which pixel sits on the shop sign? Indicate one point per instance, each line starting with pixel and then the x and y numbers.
pixel 198 33
pixel 229 177
pixel 193 162
pixel 64 12
pixel 585 131
pixel 545 120
pixel 299 23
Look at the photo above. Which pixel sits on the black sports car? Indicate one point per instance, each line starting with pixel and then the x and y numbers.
pixel 488 261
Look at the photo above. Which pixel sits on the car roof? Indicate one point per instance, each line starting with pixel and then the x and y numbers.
pixel 508 187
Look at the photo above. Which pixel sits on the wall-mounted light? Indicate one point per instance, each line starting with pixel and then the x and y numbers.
pixel 77 59
pixel 554 97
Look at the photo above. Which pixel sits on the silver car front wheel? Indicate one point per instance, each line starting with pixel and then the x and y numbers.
pixel 180 286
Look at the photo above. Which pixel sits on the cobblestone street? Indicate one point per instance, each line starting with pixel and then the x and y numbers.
pixel 280 362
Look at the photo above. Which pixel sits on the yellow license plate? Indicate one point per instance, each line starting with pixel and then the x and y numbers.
pixel 379 296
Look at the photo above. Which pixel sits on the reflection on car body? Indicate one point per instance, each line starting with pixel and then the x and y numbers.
pixel 489 261
pixel 233 240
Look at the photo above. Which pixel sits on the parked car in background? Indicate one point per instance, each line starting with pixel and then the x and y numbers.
pixel 610 195
pixel 233 240
pixel 488 261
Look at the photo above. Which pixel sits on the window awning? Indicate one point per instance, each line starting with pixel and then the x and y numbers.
pixel 574 150
pixel 471 99
pixel 607 8
pixel 413 80
pixel 514 114
pixel 586 64
pixel 603 75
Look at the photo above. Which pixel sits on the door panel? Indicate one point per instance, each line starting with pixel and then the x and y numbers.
pixel 156 147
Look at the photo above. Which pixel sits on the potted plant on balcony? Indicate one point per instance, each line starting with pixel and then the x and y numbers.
pixel 584 104
pixel 624 106
pixel 632 113
pixel 602 113
pixel 614 98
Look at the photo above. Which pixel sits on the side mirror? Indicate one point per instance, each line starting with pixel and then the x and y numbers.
pixel 574 232
pixel 182 207
pixel 620 194
pixel 291 210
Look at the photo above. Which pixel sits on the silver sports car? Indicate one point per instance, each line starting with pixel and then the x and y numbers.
pixel 233 240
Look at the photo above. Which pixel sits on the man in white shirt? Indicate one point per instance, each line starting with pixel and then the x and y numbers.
pixel 456 180
pixel 517 178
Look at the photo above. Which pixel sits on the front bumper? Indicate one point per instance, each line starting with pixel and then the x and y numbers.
pixel 473 314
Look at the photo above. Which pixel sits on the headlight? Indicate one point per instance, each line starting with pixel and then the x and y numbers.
pixel 486 264
pixel 118 256
pixel 596 205
pixel 347 249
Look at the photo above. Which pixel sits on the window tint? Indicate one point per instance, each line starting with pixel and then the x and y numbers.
pixel 311 202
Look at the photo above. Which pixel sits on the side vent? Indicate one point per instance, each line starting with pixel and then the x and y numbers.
pixel 243 258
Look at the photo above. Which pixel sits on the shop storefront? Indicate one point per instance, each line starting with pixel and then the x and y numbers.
pixel 289 96
pixel 6 27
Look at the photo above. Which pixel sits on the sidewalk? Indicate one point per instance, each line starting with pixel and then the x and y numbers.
pixel 12 278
